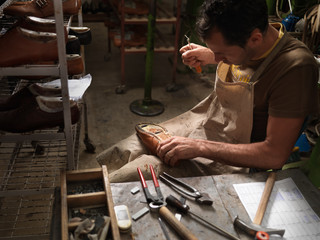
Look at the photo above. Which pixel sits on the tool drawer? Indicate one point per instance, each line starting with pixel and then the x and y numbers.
pixel 86 194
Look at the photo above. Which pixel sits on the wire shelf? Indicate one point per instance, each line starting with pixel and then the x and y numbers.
pixel 26 217
pixel 31 166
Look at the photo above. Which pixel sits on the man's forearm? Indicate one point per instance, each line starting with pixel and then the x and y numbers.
pixel 255 155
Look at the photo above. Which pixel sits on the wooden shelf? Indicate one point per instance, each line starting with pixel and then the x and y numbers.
pixel 163 16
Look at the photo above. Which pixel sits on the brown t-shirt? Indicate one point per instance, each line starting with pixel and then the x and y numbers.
pixel 286 88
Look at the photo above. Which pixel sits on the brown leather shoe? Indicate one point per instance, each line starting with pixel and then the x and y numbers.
pixel 20 46
pixel 26 94
pixel 75 66
pixel 39 25
pixel 39 113
pixel 151 135
pixel 41 8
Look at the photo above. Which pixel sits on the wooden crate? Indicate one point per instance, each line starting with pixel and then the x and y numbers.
pixel 86 200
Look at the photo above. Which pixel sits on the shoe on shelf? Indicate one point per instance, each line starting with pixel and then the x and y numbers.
pixel 19 46
pixel 73 45
pixel 39 113
pixel 75 66
pixel 82 33
pixel 39 24
pixel 26 94
pixel 151 135
pixel 41 8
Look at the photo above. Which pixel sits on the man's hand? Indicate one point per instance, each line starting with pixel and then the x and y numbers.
pixel 272 153
pixel 197 55
pixel 174 149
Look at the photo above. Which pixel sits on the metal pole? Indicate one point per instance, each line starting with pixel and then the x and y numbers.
pixel 147 106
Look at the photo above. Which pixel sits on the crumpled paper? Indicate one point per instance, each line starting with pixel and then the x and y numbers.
pixel 77 87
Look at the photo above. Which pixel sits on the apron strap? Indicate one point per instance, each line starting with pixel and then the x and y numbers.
pixel 269 58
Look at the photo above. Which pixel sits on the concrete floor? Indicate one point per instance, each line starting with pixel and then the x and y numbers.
pixel 109 117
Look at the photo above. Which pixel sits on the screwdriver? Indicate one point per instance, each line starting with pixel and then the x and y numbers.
pixel 198 68
pixel 174 202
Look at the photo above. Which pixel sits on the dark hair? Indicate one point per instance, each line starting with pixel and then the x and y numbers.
pixel 235 19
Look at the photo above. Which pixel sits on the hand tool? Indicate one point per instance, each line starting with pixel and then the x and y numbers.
pixel 186 189
pixel 172 201
pixel 157 203
pixel 154 202
pixel 198 68
pixel 183 232
pixel 164 229
pixel 253 228
pixel 178 213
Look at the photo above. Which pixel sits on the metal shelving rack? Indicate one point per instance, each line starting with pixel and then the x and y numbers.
pixel 30 163
pixel 163 17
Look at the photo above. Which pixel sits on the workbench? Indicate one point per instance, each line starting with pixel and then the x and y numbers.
pixel 226 204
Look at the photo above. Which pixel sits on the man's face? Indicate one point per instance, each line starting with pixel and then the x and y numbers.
pixel 230 54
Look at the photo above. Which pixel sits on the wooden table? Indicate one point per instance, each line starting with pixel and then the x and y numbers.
pixel 226 204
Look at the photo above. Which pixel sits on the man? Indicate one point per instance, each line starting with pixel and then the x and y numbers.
pixel 265 88
pixel 237 33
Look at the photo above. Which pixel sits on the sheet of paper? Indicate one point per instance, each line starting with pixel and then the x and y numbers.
pixel 77 87
pixel 287 209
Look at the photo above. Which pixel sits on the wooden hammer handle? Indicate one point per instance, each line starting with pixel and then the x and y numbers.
pixel 264 198
pixel 184 232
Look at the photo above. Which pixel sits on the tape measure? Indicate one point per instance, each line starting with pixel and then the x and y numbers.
pixel 262 236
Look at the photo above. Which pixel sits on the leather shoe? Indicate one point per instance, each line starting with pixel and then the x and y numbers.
pixel 73 45
pixel 19 46
pixel 75 66
pixel 83 34
pixel 151 135
pixel 25 95
pixel 41 8
pixel 39 25
pixel 40 113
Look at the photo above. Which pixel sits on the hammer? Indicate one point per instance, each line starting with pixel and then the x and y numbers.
pixel 255 227
pixel 183 232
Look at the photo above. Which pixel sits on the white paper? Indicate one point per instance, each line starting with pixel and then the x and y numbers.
pixel 287 209
pixel 77 87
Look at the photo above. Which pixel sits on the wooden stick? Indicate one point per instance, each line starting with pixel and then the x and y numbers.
pixel 264 198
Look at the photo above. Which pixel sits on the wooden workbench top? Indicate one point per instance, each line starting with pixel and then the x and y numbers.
pixel 226 204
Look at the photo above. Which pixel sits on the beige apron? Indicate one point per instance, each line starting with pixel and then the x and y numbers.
pixel 226 115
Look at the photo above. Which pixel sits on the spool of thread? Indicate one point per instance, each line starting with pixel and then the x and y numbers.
pixel 261 236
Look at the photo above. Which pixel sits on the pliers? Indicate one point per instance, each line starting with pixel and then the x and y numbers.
pixel 186 189
pixel 154 202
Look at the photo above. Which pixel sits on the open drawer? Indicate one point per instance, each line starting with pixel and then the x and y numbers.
pixel 84 194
